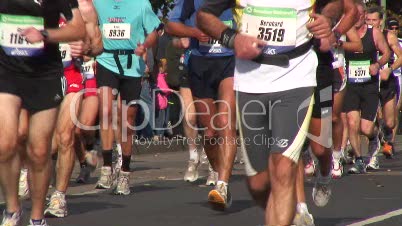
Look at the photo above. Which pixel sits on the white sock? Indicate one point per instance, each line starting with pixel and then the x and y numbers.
pixel 63 194
pixel 221 182
pixel 119 149
pixel 336 154
pixel 301 207
pixel 194 155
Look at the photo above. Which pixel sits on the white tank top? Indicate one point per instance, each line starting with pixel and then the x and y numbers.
pixel 282 24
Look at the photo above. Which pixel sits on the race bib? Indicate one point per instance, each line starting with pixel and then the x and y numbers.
pixel 88 70
pixel 12 42
pixel 276 26
pixel 65 52
pixel 117 31
pixel 213 45
pixel 359 71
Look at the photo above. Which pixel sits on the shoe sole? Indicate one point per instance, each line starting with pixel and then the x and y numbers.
pixel 216 201
pixel 191 180
pixel 387 155
pixel 210 184
pixel 100 186
pixel 54 215
pixel 122 193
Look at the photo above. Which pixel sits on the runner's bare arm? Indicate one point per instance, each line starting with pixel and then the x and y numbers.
pixel 382 46
pixel 397 49
pixel 334 11
pixel 94 35
pixel 181 30
pixel 355 43
pixel 73 30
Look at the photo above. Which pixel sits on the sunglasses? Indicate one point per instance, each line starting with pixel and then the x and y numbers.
pixel 393 28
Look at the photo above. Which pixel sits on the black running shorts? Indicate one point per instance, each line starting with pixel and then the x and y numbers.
pixel 363 98
pixel 128 87
pixel 388 90
pixel 206 73
pixel 37 93
pixel 323 94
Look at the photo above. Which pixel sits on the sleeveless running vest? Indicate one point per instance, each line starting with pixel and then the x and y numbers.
pixel 358 64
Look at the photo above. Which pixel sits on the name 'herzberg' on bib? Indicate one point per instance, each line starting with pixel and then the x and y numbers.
pixel 11 40
pixel 359 71
pixel 117 31
pixel 276 26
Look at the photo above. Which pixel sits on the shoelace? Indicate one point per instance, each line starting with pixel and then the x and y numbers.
pixel 222 190
pixel 123 181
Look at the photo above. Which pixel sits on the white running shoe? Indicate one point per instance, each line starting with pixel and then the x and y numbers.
pixel 204 157
pixel 191 174
pixel 220 197
pixel 12 220
pixel 303 219
pixel 337 168
pixel 91 157
pixel 123 184
pixel 322 190
pixel 212 177
pixel 373 164
pixel 42 223
pixel 23 188
pixel 106 178
pixel 309 168
pixel 57 205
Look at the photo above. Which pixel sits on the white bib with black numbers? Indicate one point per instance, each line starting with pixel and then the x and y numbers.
pixel 277 26
pixel 359 71
pixel 87 69
pixel 12 42
pixel 65 51
pixel 117 31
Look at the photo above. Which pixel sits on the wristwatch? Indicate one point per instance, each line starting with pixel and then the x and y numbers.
pixel 45 34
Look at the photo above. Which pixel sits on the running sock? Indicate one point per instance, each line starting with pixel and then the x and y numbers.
pixel 126 163
pixel 118 148
pixel 63 194
pixel 336 154
pixel 194 155
pixel 221 182
pixel 37 222
pixel 83 164
pixel 107 157
pixel 89 147
pixel 301 207
pixel 387 134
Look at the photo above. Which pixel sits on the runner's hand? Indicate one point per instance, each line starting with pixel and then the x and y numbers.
pixel 32 35
pixel 247 47
pixel 185 42
pixel 328 43
pixel 385 73
pixel 78 48
pixel 320 27
pixel 140 50
pixel 374 68
pixel 201 36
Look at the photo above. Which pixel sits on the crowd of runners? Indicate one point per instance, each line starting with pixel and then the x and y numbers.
pixel 298 83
